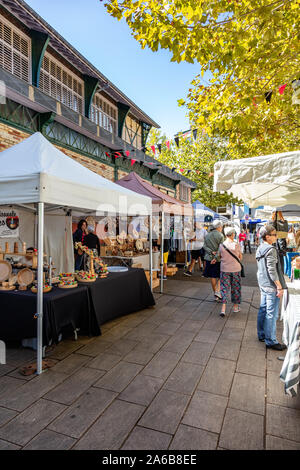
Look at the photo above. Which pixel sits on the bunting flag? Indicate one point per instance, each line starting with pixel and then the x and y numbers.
pixel 189 171
pixel 177 141
pixel 133 161
pixel 253 102
pixel 195 133
pixel 107 154
pixel 210 175
pixel 127 153
pixel 159 147
pixel 282 88
pixel 118 155
pixel 168 144
pixel 174 168
pixel 153 149
pixel 181 169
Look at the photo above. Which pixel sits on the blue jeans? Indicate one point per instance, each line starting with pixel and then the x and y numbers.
pixel 267 317
pixel 78 262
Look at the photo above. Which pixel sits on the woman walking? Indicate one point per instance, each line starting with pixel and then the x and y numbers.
pixel 230 254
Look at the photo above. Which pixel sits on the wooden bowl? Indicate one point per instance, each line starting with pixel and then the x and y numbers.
pixel 45 290
pixel 5 270
pixel 25 277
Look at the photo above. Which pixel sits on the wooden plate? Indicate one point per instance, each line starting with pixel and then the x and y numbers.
pixel 7 288
pixel 79 279
pixel 5 270
pixel 25 277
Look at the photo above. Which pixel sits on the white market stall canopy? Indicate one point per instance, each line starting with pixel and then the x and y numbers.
pixel 267 180
pixel 291 212
pixel 36 171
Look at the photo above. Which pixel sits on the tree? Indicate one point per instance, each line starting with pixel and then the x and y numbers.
pixel 199 156
pixel 250 48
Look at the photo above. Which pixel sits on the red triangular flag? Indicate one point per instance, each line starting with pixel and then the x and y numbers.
pixel 282 88
pixel 254 104
pixel 181 169
pixel 107 154
pixel 117 155
pixel 127 153
pixel 153 148
pixel 133 161
pixel 168 144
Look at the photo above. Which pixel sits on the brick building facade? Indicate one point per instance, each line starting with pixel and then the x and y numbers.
pixel 51 88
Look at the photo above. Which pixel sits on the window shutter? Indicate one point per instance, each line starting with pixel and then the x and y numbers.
pixel 60 83
pixel 104 113
pixel 14 51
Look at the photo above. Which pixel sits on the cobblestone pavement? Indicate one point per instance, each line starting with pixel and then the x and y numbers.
pixel 177 376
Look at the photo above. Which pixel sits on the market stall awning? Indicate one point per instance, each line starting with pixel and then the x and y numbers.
pixel 36 171
pixel 160 200
pixel 201 211
pixel 266 180
pixel 291 212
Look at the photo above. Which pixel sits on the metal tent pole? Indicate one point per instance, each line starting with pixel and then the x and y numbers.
pixel 39 313
pixel 162 254
pixel 150 250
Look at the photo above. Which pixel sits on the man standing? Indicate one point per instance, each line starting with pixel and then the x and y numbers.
pixel 211 246
pixel 271 283
pixel 196 248
pixel 247 242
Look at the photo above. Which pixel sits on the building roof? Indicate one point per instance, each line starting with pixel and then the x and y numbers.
pixel 32 20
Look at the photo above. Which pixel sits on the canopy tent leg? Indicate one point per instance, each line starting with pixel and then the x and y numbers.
pixel 150 251
pixel 39 313
pixel 162 254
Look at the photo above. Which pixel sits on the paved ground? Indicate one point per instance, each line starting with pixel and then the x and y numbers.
pixel 177 376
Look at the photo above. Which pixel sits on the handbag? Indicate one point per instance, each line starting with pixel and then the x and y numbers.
pixel 235 257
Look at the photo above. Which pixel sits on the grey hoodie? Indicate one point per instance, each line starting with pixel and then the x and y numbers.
pixel 269 268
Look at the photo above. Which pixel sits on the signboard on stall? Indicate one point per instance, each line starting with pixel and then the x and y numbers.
pixel 9 224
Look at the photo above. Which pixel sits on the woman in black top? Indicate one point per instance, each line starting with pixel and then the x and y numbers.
pixel 79 236
pixel 91 240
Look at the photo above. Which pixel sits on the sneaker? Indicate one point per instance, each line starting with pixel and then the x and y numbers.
pixel 165 278
pixel 261 339
pixel 218 295
pixel 276 346
pixel 236 310
pixel 222 314
pixel 187 273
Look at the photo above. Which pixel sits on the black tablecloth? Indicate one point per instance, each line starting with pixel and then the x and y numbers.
pixel 61 307
pixel 120 294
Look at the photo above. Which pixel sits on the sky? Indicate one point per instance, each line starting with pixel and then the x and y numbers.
pixel 148 78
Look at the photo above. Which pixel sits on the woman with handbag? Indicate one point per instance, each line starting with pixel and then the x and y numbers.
pixel 231 267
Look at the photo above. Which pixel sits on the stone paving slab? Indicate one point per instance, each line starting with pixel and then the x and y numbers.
pixel 105 361
pixel 242 431
pixel 6 415
pixel 188 438
pixel 74 386
pixel 142 390
pixel 49 440
pixel 275 443
pixel 119 376
pixel 179 343
pixel 147 439
pixel 83 413
pixel 283 422
pixel 217 377
pixel 227 349
pixel 198 353
pixel 139 356
pixel 184 378
pixel 112 428
pixel 206 411
pixel 252 361
pixel 28 424
pixel 207 336
pixel 162 364
pixel 276 394
pixel 165 411
pixel 4 445
pixel 248 393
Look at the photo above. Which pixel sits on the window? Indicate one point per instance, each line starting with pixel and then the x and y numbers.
pixel 132 132
pixel 104 113
pixel 14 51
pixel 183 192
pixel 60 83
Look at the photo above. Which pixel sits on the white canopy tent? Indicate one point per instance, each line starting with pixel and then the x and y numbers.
pixel 34 172
pixel 291 212
pixel 272 180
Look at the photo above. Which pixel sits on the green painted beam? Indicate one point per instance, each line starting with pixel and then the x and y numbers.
pixel 90 87
pixel 45 119
pixel 39 43
pixel 123 110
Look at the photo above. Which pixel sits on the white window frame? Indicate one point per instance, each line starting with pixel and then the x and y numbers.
pixel 57 88
pixel 102 111
pixel 14 51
